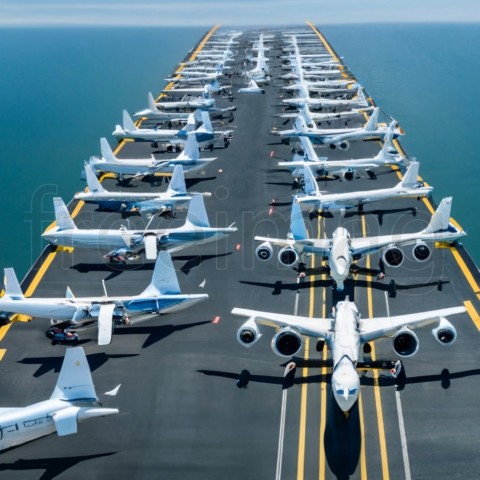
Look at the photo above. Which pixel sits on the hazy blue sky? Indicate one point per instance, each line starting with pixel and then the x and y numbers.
pixel 226 12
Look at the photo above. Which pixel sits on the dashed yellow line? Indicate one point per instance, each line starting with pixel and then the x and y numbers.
pixel 2 353
pixel 473 313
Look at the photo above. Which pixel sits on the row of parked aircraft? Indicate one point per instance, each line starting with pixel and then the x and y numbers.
pixel 74 398
pixel 347 334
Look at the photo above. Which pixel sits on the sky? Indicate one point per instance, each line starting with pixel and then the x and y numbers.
pixel 25 13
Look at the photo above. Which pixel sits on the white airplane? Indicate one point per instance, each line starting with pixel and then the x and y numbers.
pixel 73 401
pixel 408 187
pixel 154 135
pixel 320 85
pixel 189 159
pixel 311 117
pixel 163 295
pixel 154 112
pixel 251 88
pixel 343 168
pixel 342 249
pixel 339 137
pixel 176 195
pixel 346 334
pixel 212 87
pixel 358 101
pixel 124 243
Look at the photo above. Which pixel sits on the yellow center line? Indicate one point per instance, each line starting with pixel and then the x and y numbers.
pixel 473 313
pixel 376 388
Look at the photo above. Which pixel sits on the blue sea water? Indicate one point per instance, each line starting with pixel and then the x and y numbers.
pixel 61 89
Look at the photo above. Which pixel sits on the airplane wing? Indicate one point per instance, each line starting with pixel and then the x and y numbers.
pixel 368 245
pixel 313 327
pixel 374 328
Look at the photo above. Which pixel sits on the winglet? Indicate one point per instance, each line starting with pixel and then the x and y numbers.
pixel 92 181
pixel 62 215
pixel 297 224
pixel 75 380
pixel 164 279
pixel 12 286
pixel 197 215
pixel 177 183
pixel 441 218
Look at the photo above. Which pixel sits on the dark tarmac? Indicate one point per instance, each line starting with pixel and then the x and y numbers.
pixel 182 413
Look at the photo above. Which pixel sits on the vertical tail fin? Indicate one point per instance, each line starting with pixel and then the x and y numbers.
pixel 164 279
pixel 177 183
pixel 297 223
pixel 189 127
pixel 62 215
pixel 12 287
pixel 441 218
pixel 92 181
pixel 373 120
pixel 300 124
pixel 197 215
pixel 309 152
pixel 410 177
pixel 207 124
pixel 151 103
pixel 310 184
pixel 190 150
pixel 75 380
pixel 106 150
pixel 128 122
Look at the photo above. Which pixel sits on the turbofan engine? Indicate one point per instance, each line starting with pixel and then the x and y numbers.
pixel 287 342
pixel 445 333
pixel 405 343
pixel 264 251
pixel 344 145
pixel 248 333
pixel 421 251
pixel 288 256
pixel 348 174
pixel 393 256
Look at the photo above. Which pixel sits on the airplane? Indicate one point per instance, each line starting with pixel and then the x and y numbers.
pixel 347 335
pixel 162 295
pixel 358 101
pixel 408 187
pixel 155 135
pixel 345 169
pixel 339 137
pixel 212 87
pixel 341 250
pixel 189 159
pixel 73 401
pixel 176 195
pixel 320 85
pixel 310 117
pixel 251 88
pixel 124 244
pixel 154 112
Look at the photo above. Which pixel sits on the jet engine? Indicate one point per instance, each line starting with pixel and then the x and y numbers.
pixel 348 174
pixel 287 342
pixel 344 145
pixel 393 256
pixel 264 251
pixel 421 251
pixel 445 333
pixel 405 343
pixel 288 256
pixel 248 333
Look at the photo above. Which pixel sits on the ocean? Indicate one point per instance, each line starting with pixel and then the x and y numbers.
pixel 61 89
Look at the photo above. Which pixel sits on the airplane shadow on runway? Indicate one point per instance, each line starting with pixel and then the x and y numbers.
pixel 53 466
pixel 191 182
pixel 193 261
pixel 279 286
pixel 381 213
pixel 156 333
pixel 115 269
pixel 95 360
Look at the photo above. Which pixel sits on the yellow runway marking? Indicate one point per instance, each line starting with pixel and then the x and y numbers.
pixel 473 313
pixel 2 353
pixel 303 419
pixel 363 456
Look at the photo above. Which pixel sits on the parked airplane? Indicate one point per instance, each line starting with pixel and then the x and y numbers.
pixel 251 88
pixel 189 159
pixel 154 135
pixel 358 101
pixel 341 250
pixel 205 102
pixel 163 295
pixel 123 243
pixel 212 87
pixel 345 334
pixel 176 195
pixel 339 137
pixel 73 401
pixel 409 186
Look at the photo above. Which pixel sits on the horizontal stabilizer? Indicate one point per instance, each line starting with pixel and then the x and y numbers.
pixel 105 324
pixel 66 420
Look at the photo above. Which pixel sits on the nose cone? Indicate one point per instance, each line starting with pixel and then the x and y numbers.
pixel 346 385
pixel 50 237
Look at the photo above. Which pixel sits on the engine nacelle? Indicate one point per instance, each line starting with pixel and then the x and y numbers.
pixel 248 334
pixel 348 174
pixel 264 251
pixel 288 256
pixel 393 256
pixel 344 145
pixel 287 342
pixel 421 251
pixel 445 333
pixel 405 343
